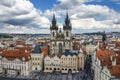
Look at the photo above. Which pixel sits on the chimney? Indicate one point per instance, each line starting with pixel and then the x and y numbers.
pixel 98 46
pixel 116 54
pixel 26 51
pixel 114 62
pixel 111 58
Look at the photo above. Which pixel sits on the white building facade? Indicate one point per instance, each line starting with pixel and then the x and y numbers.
pixel 16 67
pixel 67 62
pixel 51 63
pixel 15 62
pixel 37 58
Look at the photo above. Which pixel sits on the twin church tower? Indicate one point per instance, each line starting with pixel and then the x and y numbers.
pixel 61 41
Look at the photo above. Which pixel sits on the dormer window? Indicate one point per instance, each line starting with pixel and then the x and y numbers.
pixel 29 57
pixel 26 51
pixel 23 58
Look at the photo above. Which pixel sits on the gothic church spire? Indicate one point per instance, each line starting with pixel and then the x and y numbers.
pixel 67 24
pixel 54 23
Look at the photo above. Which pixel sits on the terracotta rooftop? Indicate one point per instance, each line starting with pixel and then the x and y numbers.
pixel 76 46
pixel 16 53
pixel 104 57
pixel 53 55
pixel 115 71
pixel 117 44
pixel 101 54
pixel 117 57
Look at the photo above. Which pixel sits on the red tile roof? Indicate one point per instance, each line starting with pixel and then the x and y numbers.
pixel 16 53
pixel 76 46
pixel 115 71
pixel 104 57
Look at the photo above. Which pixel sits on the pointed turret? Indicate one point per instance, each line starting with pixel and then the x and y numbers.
pixel 103 37
pixel 54 23
pixel 67 20
pixel 104 40
pixel 54 20
pixel 67 24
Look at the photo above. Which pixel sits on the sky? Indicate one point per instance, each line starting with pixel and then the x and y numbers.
pixel 35 16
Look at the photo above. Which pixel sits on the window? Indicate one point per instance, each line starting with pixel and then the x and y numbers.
pixel 67 33
pixel 53 34
pixel 53 45
pixel 60 48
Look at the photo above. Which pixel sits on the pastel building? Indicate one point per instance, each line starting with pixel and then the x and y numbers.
pixel 69 62
pixel 90 49
pixel 15 62
pixel 111 73
pixel 51 63
pixel 37 58
pixel 64 63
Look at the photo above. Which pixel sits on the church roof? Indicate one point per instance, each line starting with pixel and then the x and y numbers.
pixel 66 53
pixel 43 44
pixel 37 49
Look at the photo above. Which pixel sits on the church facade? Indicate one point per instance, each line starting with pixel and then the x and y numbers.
pixel 61 41
pixel 63 58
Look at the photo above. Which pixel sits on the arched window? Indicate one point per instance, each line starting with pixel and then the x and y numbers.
pixel 67 34
pixel 60 48
pixel 53 34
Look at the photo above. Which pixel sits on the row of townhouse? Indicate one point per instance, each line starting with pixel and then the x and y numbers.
pixel 68 61
pixel 21 60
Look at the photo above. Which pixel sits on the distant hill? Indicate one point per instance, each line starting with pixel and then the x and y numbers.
pixel 94 33
pixel 42 35
pixel 5 36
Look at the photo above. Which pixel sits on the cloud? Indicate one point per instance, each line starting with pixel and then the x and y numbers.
pixel 21 13
pixel 49 14
pixel 20 16
pixel 67 4
pixel 89 17
pixel 7 28
pixel 116 1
